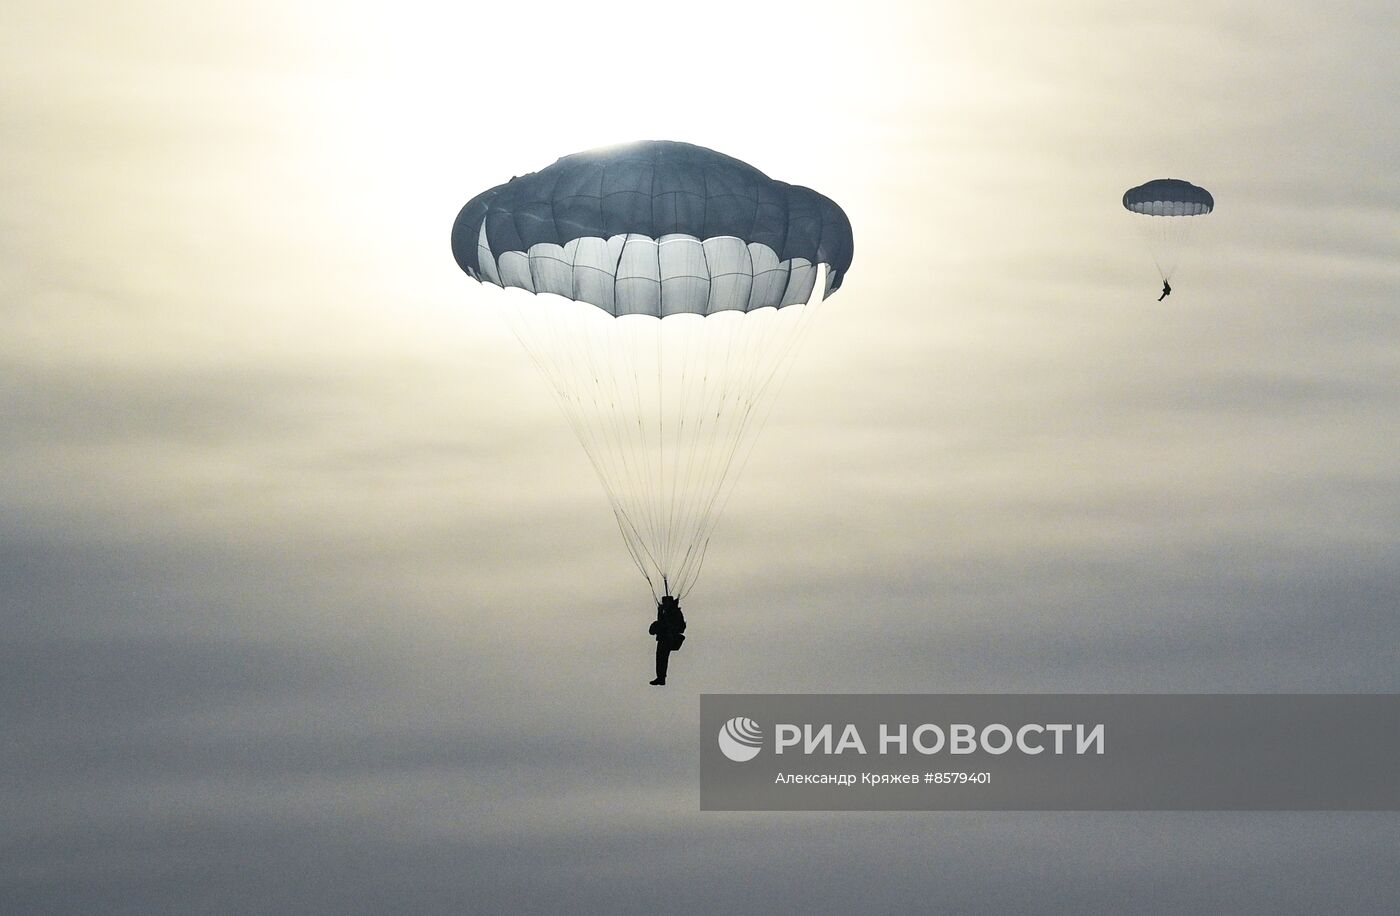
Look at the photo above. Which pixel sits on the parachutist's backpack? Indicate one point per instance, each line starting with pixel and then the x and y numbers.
pixel 678 636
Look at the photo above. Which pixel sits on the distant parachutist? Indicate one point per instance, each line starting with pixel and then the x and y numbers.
pixel 1170 208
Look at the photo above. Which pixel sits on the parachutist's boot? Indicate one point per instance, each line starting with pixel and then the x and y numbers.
pixel 659 682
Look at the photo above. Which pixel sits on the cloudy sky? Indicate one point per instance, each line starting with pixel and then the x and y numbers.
pixel 310 603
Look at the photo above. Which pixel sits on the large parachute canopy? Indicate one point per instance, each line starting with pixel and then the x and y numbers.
pixel 1163 200
pixel 673 285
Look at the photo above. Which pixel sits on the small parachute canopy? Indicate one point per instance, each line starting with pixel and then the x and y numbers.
pixel 1169 197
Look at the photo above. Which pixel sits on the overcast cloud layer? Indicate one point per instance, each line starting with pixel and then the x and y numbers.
pixel 308 602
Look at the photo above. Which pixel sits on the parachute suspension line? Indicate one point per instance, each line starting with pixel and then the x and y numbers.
pixel 540 326
pixel 724 414
pixel 668 456
pixel 655 502
pixel 1167 240
pixel 693 519
pixel 614 333
pixel 624 339
pixel 677 447
pixel 1158 238
pixel 1157 262
pixel 623 387
pixel 790 326
pixel 687 336
pixel 720 330
pixel 628 344
pixel 598 442
pixel 626 349
pixel 641 345
pixel 764 400
pixel 740 365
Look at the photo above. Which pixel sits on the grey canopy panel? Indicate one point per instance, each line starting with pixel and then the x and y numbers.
pixel 656 228
pixel 1169 197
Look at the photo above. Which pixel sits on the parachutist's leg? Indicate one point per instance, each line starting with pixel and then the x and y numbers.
pixel 663 658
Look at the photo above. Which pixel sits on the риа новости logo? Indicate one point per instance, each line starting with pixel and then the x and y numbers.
pixel 740 739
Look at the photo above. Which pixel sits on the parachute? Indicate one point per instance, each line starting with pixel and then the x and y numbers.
pixel 672 287
pixel 1162 200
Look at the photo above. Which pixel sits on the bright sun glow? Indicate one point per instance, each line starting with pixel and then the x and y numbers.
pixel 476 99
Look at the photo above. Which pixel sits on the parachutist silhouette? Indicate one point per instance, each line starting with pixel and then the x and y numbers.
pixel 1170 207
pixel 669 630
